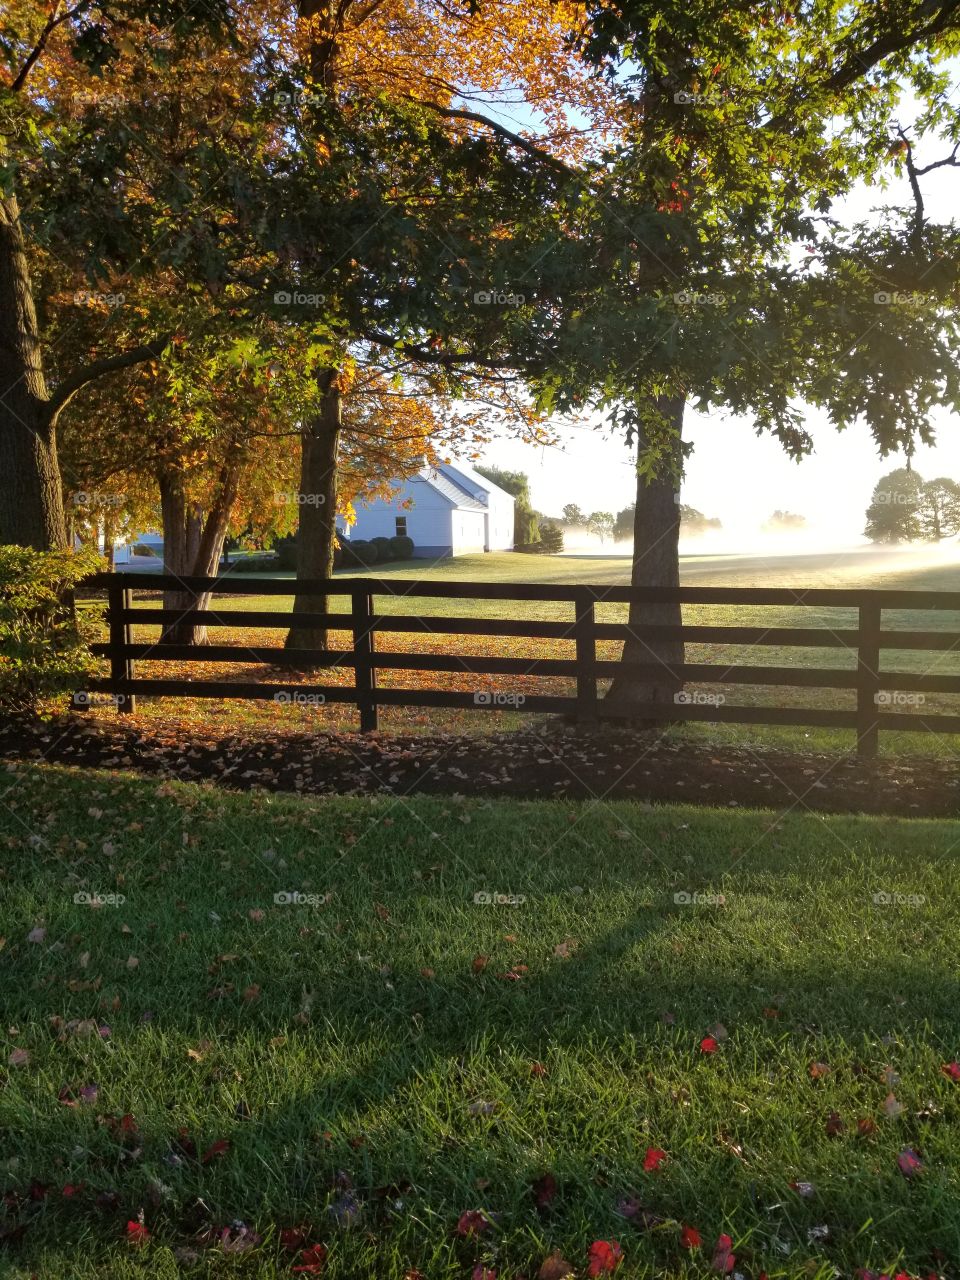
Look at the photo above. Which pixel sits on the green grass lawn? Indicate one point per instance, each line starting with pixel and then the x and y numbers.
pixel 392 1055
pixel 894 569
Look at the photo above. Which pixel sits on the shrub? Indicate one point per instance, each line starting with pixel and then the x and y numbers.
pixel 384 549
pixel 287 551
pixel 402 547
pixel 551 538
pixel 254 564
pixel 43 639
pixel 358 553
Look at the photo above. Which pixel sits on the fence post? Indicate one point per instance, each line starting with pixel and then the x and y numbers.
pixel 868 678
pixel 586 656
pixel 365 673
pixel 120 598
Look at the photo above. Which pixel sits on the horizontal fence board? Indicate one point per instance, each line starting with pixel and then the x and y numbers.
pixel 154 652
pixel 232 618
pixel 467 701
pixel 916 722
pixel 264 692
pixel 533 630
pixel 800 677
pixel 941 640
pixel 727 714
pixel 476 664
pixel 797 637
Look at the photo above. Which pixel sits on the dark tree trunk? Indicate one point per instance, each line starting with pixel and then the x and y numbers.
pixel 31 499
pixel 318 511
pixel 656 563
pixel 192 546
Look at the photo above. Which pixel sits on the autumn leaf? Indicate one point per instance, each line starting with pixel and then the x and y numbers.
pixel 137 1234
pixel 19 1058
pixel 653 1159
pixel 252 992
pixel 37 935
pixel 834 1125
pixel 480 1272
pixel 804 1189
pixel 471 1222
pixel 866 1127
pixel 909 1163
pixel 951 1069
pixel 544 1190
pixel 604 1258
pixel 538 1070
pixel 555 1267
pixel 480 963
pixel 818 1070
pixel 891 1106
pixel 690 1238
pixel 218 1148
pixel 723 1258
pixel 311 1260
pixel 708 1045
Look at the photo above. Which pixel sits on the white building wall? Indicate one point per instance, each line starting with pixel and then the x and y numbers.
pixel 428 519
pixel 468 531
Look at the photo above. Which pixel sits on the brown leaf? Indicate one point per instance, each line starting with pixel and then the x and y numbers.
pixel 556 1267
pixel 834 1125
pixel 252 992
pixel 818 1070
pixel 480 963
pixel 19 1058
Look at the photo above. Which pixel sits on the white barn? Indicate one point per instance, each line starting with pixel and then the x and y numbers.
pixel 447 510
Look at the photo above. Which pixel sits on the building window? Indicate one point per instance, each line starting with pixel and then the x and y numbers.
pixel 401 526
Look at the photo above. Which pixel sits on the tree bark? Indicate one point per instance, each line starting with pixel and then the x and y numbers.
pixel 31 499
pixel 656 563
pixel 317 498
pixel 192 545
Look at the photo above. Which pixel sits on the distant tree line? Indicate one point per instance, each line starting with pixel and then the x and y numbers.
pixel 906 508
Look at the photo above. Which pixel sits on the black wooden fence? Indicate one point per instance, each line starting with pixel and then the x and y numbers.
pixel 875 689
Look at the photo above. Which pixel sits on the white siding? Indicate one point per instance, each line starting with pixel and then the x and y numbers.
pixel 468 530
pixel 428 519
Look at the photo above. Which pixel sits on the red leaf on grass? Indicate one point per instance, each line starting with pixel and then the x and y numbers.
pixel 723 1258
pixel 137 1233
pixel 690 1238
pixel 293 1238
pixel 604 1258
pixel 471 1222
pixel 544 1190
pixel 218 1148
pixel 708 1045
pixel 909 1162
pixel 480 1272
pixel 311 1260
pixel 653 1159
pixel 951 1069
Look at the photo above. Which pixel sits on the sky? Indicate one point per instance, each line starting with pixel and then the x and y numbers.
pixel 735 475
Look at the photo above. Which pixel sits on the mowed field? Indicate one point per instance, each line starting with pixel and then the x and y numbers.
pixel 924 569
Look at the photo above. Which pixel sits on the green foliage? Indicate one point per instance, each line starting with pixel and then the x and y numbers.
pixel 893 513
pixel 601 523
pixel 551 538
pixel 255 564
pixel 573 516
pixel 43 639
pixel 939 513
pixel 287 551
pixel 402 547
pixel 384 549
pixel 358 553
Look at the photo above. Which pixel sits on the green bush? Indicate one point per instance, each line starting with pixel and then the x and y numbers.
pixel 384 549
pixel 402 547
pixel 254 564
pixel 551 538
pixel 43 639
pixel 358 553
pixel 287 551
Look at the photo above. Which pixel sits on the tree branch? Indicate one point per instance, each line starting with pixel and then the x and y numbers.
pixel 459 113
pixel 100 369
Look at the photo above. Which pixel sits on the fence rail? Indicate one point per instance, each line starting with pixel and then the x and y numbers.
pixel 363 624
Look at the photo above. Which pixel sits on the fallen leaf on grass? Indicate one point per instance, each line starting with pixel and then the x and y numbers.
pixel 818 1070
pixel 36 935
pixel 137 1234
pixel 555 1267
pixel 653 1159
pixel 480 1272
pixel 218 1148
pixel 690 1238
pixel 256 914
pixel 604 1258
pixel 252 992
pixel 804 1189
pixel 564 950
pixel 891 1106
pixel 311 1260
pixel 132 962
pixel 834 1125
pixel 538 1070
pixel 544 1190
pixel 19 1058
pixel 471 1222
pixel 708 1045
pixel 480 963
pixel 723 1257
pixel 951 1069
pixel 866 1127
pixel 909 1163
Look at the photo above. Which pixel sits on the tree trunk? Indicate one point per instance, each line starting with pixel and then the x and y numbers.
pixel 109 537
pixel 317 499
pixel 656 563
pixel 31 499
pixel 193 545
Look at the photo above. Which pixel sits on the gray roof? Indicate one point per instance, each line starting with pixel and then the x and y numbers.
pixel 450 490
